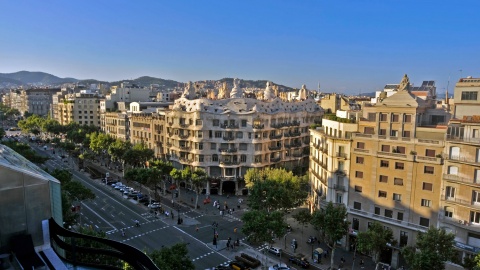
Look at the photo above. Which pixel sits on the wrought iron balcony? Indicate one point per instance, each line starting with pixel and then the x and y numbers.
pixel 228 138
pixel 258 126
pixel 228 150
pixel 339 187
pixel 273 148
pixel 183 136
pixel 184 125
pixel 185 148
pixel 277 159
pixel 275 137
pixel 234 126
pixel 229 162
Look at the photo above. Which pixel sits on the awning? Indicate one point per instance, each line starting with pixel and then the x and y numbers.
pixel 319 250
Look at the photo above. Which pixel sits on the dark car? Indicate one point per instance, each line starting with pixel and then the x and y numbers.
pixel 300 262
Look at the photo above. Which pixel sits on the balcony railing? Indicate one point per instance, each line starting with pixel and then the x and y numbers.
pixel 183 136
pixel 274 148
pixel 462 139
pixel 228 138
pixel 185 160
pixel 392 154
pixel 389 220
pixel 457 200
pixel 435 160
pixel 185 148
pixel 342 155
pixel 363 135
pixel 361 150
pixel 339 187
pixel 234 126
pixel 229 162
pixel 275 137
pixel 258 126
pixel 468 159
pixel 457 178
pixel 277 159
pixel 183 125
pixel 169 145
pixel 228 150
pixel 297 155
pixel 341 172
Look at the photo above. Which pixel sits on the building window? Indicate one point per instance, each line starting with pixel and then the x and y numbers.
pixel 369 130
pixel 449 192
pixel 355 224
pixel 360 145
pixel 385 148
pixel 428 170
pixel 399 166
pixel 216 122
pixel 218 134
pixel 475 197
pixel 358 189
pixel 243 158
pixel 339 198
pixel 383 179
pixel 377 210
pixel 213 146
pixel 388 213
pixel 400 216
pixel 469 95
pixel 382 194
pixel 357 205
pixel 399 149
pixel 395 117
pixel 244 123
pixel 475 217
pixel 214 157
pixel 426 203
pixel 407 118
pixel 397 197
pixel 372 117
pixel 384 163
pixel 383 117
pixel 359 160
pixel 398 181
pixel 448 211
pixel 406 134
pixel 382 132
pixel 427 186
pixel 403 239
pixel 198 122
pixel 429 153
pixel 201 158
pixel 425 222
pixel 358 174
pixel 394 133
pixel 243 146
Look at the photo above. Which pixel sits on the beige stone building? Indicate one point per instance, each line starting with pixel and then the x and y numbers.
pixel 82 108
pixel 229 135
pixel 330 161
pixel 333 102
pixel 116 124
pixel 391 168
pixel 460 192
pixel 149 128
pixel 36 100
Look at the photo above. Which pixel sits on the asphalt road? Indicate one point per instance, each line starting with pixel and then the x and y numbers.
pixel 112 212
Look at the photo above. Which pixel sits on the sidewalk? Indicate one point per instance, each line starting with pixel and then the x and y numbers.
pixel 304 249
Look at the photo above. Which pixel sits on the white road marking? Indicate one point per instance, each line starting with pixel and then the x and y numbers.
pixel 99 216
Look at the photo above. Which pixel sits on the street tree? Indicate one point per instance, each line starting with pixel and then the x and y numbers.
pixel 333 225
pixel 165 168
pixel 198 179
pixel 32 124
pixel 172 258
pixel 274 189
pixel 178 176
pixel 26 151
pixel 375 240
pixel 99 142
pixel 117 148
pixel 303 217
pixel 433 248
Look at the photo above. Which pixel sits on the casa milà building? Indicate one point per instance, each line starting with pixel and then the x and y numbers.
pixel 227 133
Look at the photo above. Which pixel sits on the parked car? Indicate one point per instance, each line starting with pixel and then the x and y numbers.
pixel 119 186
pixel 133 193
pixel 143 199
pixel 155 205
pixel 302 262
pixel 275 250
pixel 279 266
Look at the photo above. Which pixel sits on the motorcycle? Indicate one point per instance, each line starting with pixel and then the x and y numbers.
pixel 312 239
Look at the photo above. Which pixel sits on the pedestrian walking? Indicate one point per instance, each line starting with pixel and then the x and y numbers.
pixel 196 228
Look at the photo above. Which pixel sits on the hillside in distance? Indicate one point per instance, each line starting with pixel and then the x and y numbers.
pixel 28 77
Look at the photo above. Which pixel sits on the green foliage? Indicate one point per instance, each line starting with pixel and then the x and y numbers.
pixel 314 126
pixel 118 148
pixel 333 117
pixel 198 180
pixel 432 250
pixel 333 224
pixel 138 155
pixel 33 124
pixel 99 141
pixel 375 240
pixel 2 132
pixel 303 216
pixel 261 226
pixel 274 189
pixel 26 151
pixel 172 258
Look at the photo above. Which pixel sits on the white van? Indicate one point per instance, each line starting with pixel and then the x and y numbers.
pixel 275 250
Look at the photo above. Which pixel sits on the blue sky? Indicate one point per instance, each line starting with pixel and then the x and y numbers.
pixel 347 46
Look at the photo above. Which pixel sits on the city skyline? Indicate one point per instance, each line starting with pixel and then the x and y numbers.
pixel 347 47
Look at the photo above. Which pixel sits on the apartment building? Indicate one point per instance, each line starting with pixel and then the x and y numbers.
pixel 116 124
pixel 396 167
pixel 230 135
pixel 36 100
pixel 330 161
pixel 460 193
pixel 82 108
pixel 149 128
